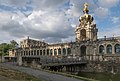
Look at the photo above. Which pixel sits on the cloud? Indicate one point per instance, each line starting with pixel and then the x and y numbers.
pixel 40 25
pixel 15 3
pixel 108 3
pixel 115 19
pixel 109 32
pixel 49 20
pixel 102 12
pixel 48 4
pixel 76 7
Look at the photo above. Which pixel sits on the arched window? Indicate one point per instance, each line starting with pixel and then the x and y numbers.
pixel 31 52
pixel 24 53
pixel 40 52
pixel 83 50
pixel 55 52
pixel 47 51
pixel 59 51
pixel 51 51
pixel 68 50
pixel 109 49
pixel 117 48
pixel 83 34
pixel 37 52
pixel 64 51
pixel 44 52
pixel 101 49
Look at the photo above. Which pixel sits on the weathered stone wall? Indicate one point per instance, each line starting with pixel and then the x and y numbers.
pixel 108 66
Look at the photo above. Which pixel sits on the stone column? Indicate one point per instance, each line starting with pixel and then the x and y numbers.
pixel 66 51
pixel 57 51
pixel 39 52
pixel 49 52
pixel 30 52
pixel 113 49
pixel 19 60
pixel 33 53
pixel 105 51
pixel 42 52
pixel 61 51
pixel 53 52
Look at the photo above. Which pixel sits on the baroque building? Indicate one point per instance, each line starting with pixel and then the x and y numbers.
pixel 87 45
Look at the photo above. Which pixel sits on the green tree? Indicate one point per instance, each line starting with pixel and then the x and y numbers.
pixel 4 47
pixel 13 44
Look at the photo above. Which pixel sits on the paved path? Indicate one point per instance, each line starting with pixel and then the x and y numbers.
pixel 39 74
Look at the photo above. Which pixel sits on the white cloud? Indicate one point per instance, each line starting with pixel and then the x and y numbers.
pixel 48 4
pixel 102 12
pixel 15 3
pixel 49 20
pixel 110 31
pixel 39 24
pixel 108 3
pixel 115 19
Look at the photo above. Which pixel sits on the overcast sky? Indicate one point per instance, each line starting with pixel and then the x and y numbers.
pixel 55 20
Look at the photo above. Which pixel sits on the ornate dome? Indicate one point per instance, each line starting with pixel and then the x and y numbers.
pixel 86 18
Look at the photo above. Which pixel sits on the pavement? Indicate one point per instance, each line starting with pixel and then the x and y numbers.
pixel 39 74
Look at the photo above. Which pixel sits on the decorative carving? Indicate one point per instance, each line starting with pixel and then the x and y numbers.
pixel 86 18
pixel 87 24
pixel 86 8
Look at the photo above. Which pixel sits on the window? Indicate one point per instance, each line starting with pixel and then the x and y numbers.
pixel 101 49
pixel 64 51
pixel 47 51
pixel 55 52
pixel 59 51
pixel 40 52
pixel 51 51
pixel 43 52
pixel 32 52
pixel 37 52
pixel 109 49
pixel 117 48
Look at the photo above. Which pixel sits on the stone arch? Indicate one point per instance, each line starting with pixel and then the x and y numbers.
pixel 117 48
pixel 83 50
pixel 83 34
pixel 109 49
pixel 101 49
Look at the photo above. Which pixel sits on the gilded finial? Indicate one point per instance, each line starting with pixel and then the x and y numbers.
pixel 85 4
pixel 86 8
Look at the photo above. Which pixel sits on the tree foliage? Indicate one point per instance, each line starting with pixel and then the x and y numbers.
pixel 5 47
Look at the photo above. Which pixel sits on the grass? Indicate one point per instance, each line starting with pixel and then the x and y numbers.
pixel 16 75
